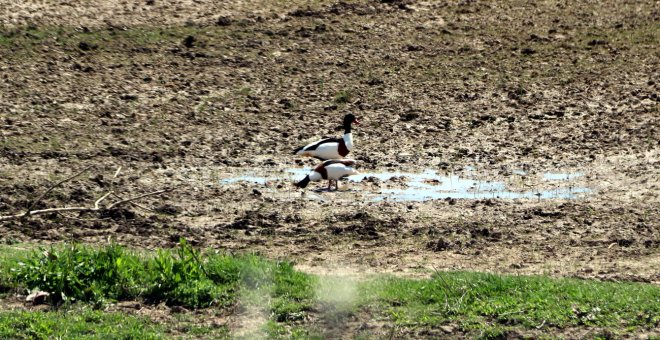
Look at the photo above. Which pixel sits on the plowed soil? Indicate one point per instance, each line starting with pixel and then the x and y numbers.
pixel 181 94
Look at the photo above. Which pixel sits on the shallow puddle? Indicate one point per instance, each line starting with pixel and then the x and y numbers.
pixel 555 176
pixel 429 185
pixel 245 178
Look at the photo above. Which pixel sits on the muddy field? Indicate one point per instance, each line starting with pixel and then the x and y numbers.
pixel 196 96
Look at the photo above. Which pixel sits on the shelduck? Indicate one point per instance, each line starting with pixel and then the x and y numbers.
pixel 331 148
pixel 332 170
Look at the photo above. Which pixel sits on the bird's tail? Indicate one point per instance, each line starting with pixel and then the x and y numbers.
pixel 303 183
pixel 295 152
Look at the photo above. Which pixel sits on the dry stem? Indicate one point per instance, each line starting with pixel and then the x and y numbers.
pixel 96 206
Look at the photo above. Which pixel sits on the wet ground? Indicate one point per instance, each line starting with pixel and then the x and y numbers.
pixel 507 137
pixel 429 185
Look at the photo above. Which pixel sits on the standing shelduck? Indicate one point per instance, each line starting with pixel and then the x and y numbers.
pixel 332 170
pixel 331 148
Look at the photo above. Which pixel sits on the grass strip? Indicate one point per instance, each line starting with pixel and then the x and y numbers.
pixel 84 323
pixel 480 300
pixel 288 300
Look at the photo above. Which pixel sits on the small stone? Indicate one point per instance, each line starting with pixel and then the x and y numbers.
pixel 447 329
pixel 178 309
pixel 223 21
pixel 128 97
pixel 37 298
pixel 414 48
pixel 129 305
pixel 189 41
pixel 86 46
pixel 438 245
pixel 409 116
pixel 168 209
pixel 596 42
pixel 527 51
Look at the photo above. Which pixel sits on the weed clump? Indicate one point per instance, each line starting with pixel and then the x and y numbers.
pixel 344 96
pixel 75 272
pixel 182 277
pixel 179 278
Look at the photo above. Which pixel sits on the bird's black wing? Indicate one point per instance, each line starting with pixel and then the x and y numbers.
pixel 347 162
pixel 317 144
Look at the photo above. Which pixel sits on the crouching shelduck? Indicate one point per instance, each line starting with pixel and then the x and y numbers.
pixel 332 170
pixel 331 148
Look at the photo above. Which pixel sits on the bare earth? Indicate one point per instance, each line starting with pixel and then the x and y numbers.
pixel 550 87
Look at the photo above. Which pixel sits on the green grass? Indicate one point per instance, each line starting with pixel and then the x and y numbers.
pixel 28 42
pixel 479 304
pixel 344 96
pixel 88 324
pixel 9 256
pixel 478 301
pixel 182 276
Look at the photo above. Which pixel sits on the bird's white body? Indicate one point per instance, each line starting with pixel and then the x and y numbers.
pixel 334 172
pixel 331 170
pixel 331 148
pixel 328 148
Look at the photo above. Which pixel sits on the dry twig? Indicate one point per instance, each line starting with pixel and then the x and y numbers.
pixel 134 204
pixel 96 207
pixel 128 200
pixel 34 203
pixel 97 204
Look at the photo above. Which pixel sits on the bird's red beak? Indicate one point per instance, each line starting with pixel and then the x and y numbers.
pixel 356 121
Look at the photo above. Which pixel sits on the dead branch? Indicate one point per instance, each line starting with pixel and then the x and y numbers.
pixel 34 203
pixel 96 206
pixel 82 219
pixel 45 211
pixel 135 204
pixel 128 200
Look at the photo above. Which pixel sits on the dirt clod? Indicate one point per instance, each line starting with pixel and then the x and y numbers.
pixel 189 41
